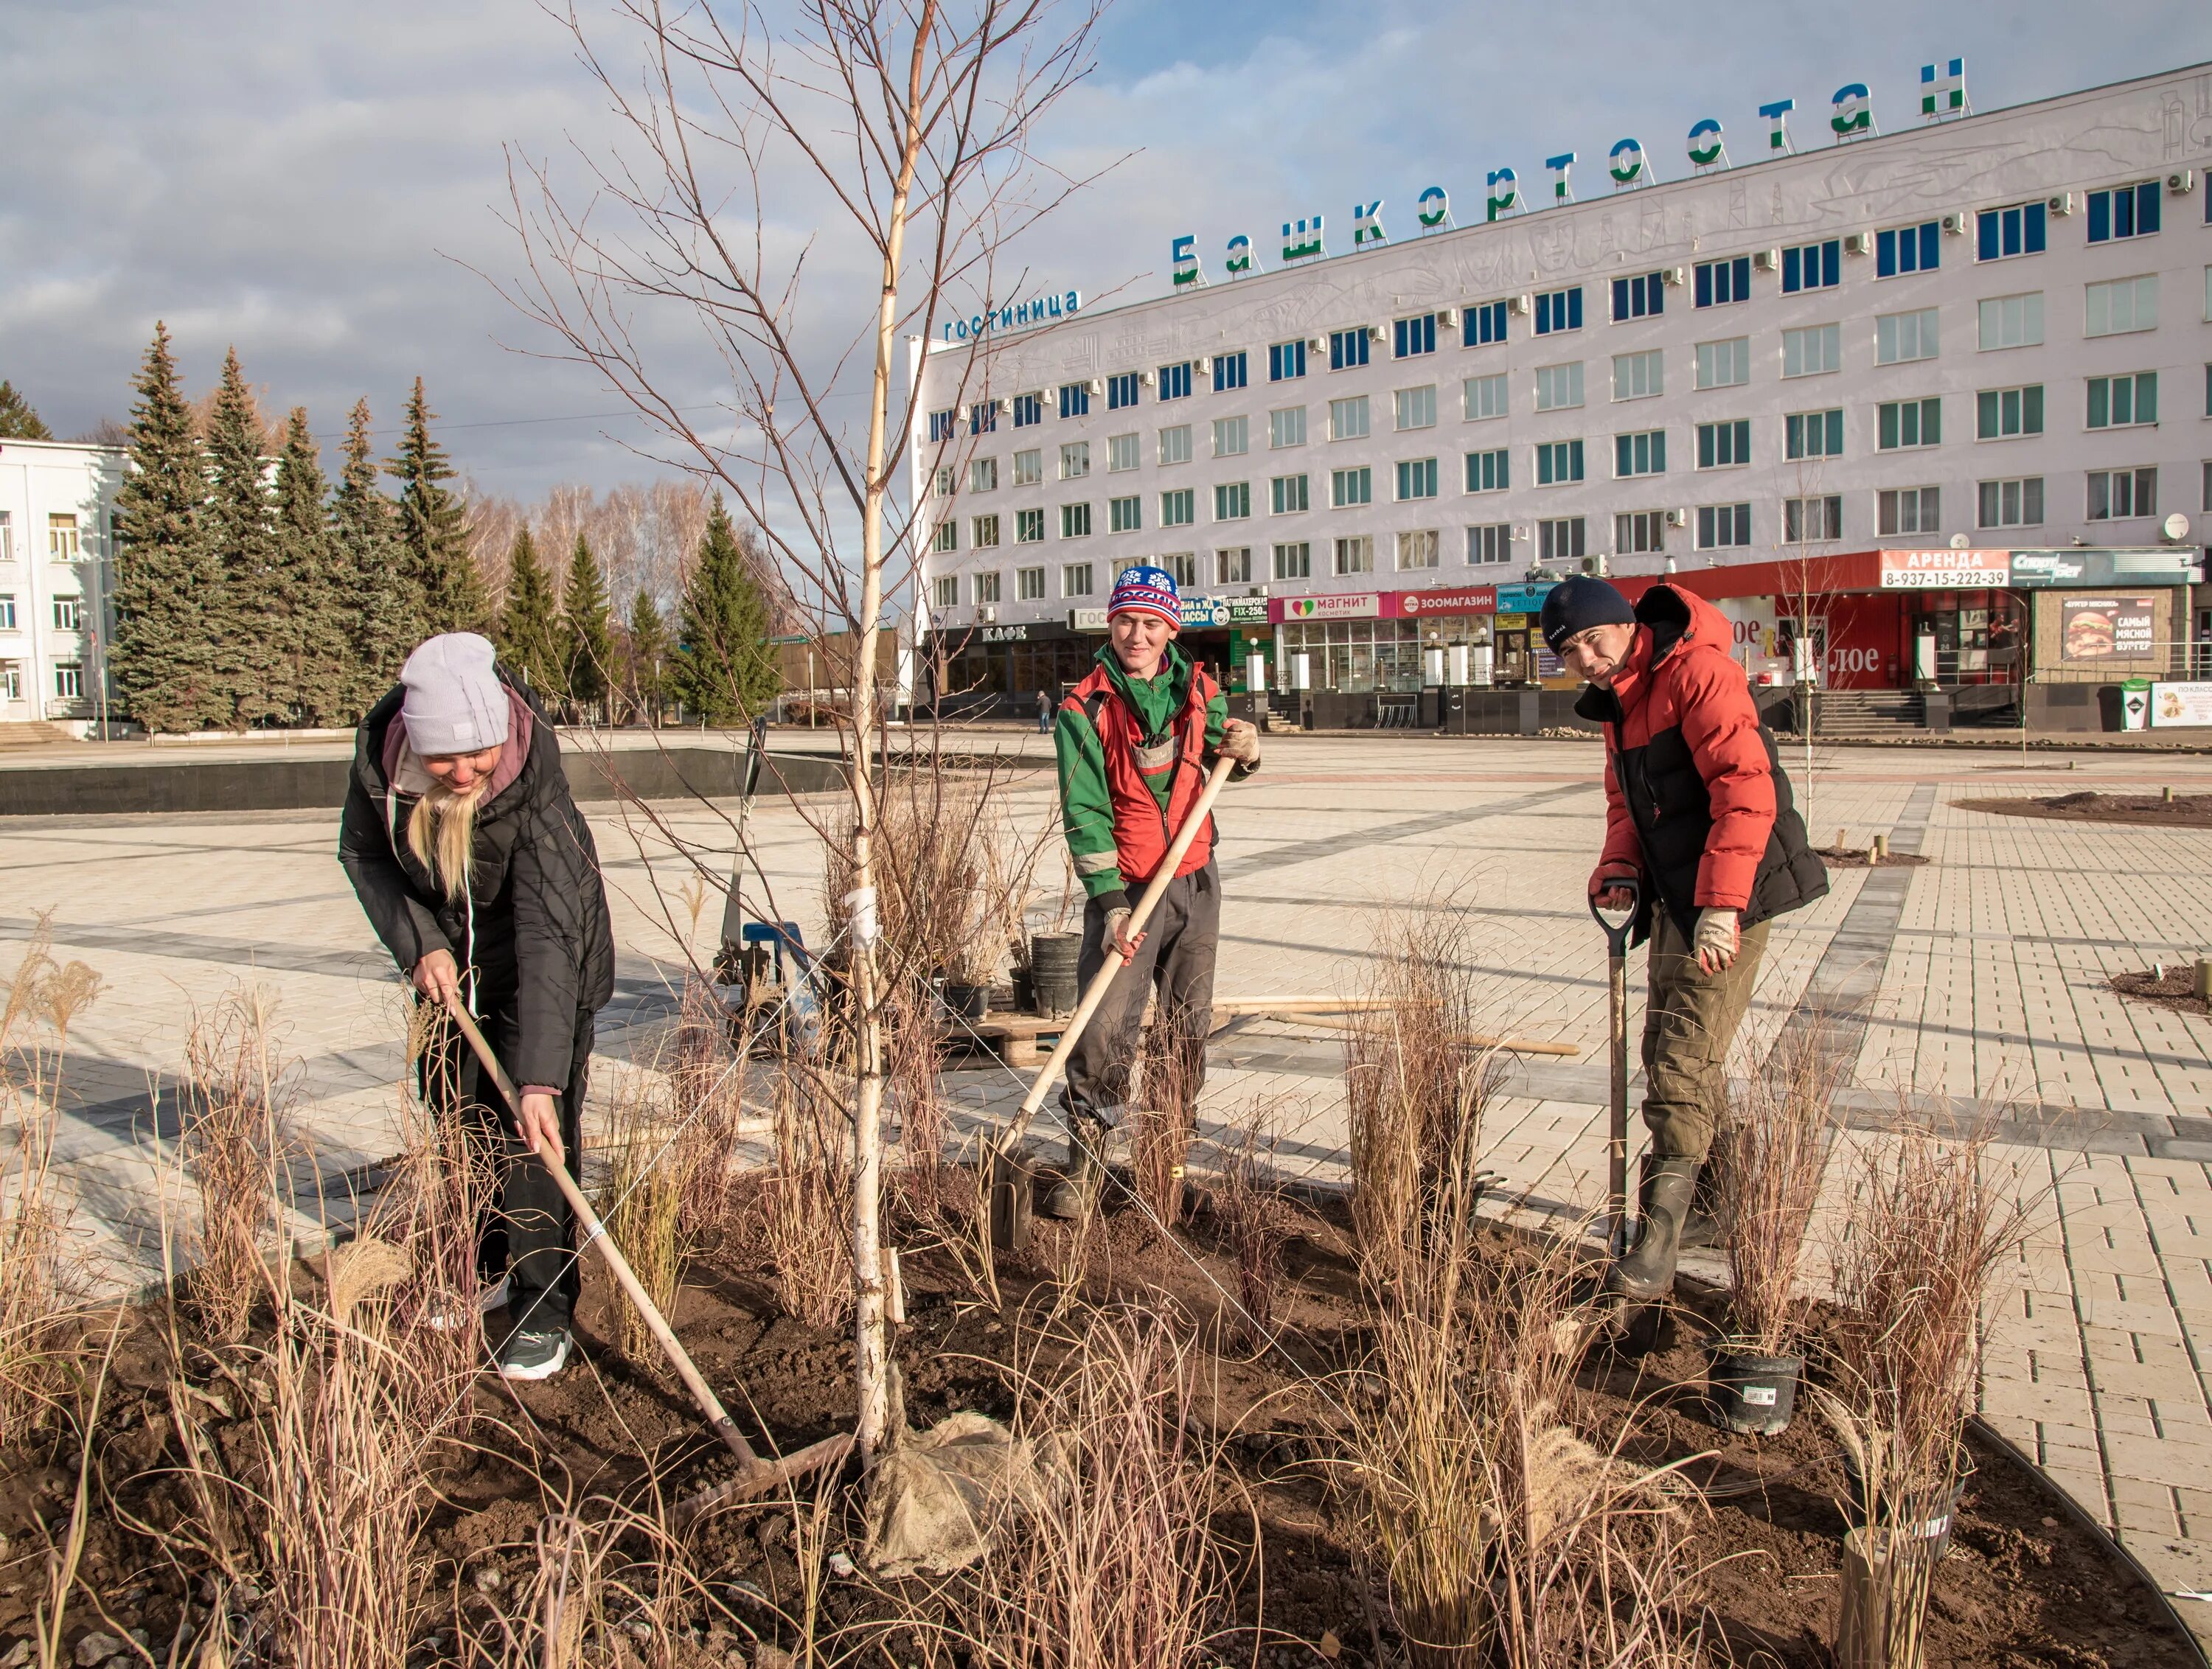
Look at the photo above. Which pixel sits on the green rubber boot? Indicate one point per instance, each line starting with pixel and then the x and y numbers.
pixel 1077 1191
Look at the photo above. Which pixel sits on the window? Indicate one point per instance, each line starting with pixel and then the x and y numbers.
pixel 987 587
pixel 2116 493
pixel 945 590
pixel 1287 495
pixel 1029 468
pixel 1174 381
pixel 946 477
pixel 2000 234
pixel 1489 471
pixel 1029 584
pixel 2208 493
pixel 7 614
pixel 1416 478
pixel 8 528
pixel 1724 364
pixel 1898 337
pixel 1232 500
pixel 1175 444
pixel 1074 460
pixel 1348 487
pixel 2121 306
pixel 69 680
pixel 1347 419
pixel 2010 503
pixel 1559 462
pixel 1415 408
pixel 1724 445
pixel 1812 266
pixel 1720 282
pixel 1643 453
pixel 1230 371
pixel 1075 579
pixel 2123 401
pixel 1417 550
pixel 947 537
pixel 1028 526
pixel 983 475
pixel 1640 532
pixel 1121 391
pixel 1639 376
pixel 1233 567
pixel 1178 508
pixel 11 681
pixel 1559 386
pixel 1355 555
pixel 1232 436
pixel 944 425
pixel 1559 310
pixel 1075 399
pixel 1123 451
pixel 2127 212
pixel 1347 348
pixel 1561 538
pixel 1908 249
pixel 1125 515
pixel 1294 562
pixel 68 614
pixel 1813 351
pixel 1411 336
pixel 1481 326
pixel 1286 361
pixel 1812 434
pixel 1909 510
pixel 983 417
pixel 986 532
pixel 1490 543
pixel 1074 521
pixel 1641 297
pixel 1723 526
pixel 1804 519
pixel 2000 414
pixel 1028 411
pixel 1483 397
pixel 1183 564
pixel 2012 321
pixel 1288 427
pixel 1902 424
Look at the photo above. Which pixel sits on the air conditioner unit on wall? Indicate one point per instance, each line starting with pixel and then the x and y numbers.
pixel 1146 379
pixel 1519 305
pixel 987 616
pixel 1004 405
pixel 1859 243
pixel 1449 318
pixel 1203 364
pixel 2061 204
pixel 1766 260
pixel 1678 519
pixel 1097 384
pixel 1956 225
pixel 1596 565
pixel 1317 345
pixel 1378 333
pixel 1676 277
pixel 2182 184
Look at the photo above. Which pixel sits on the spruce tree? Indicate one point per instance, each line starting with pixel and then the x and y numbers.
pixel 316 650
pixel 240 525
pixel 644 657
pixel 528 632
pixel 587 639
pixel 434 535
pixel 382 620
pixel 723 670
pixel 162 658
pixel 17 420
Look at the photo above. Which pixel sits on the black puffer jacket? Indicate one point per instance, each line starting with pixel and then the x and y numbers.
pixel 533 927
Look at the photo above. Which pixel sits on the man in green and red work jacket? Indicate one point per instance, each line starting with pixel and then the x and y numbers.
pixel 1698 814
pixel 1136 740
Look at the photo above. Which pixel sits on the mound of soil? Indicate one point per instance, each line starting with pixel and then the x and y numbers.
pixel 2175 989
pixel 1863 858
pixel 2182 811
pixel 2023 1582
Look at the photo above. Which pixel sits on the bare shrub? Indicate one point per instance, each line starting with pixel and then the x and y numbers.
pixel 913 1061
pixel 1773 1151
pixel 1255 1223
pixel 237 1140
pixel 805 1199
pixel 1170 1068
pixel 706 1076
pixel 642 1203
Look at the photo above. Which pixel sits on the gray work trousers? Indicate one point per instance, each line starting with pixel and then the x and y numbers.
pixel 1175 960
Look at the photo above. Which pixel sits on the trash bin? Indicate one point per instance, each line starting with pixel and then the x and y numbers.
pixel 2135 704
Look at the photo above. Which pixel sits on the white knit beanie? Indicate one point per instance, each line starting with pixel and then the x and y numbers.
pixel 455 703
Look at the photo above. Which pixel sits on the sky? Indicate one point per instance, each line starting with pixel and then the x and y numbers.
pixel 325 186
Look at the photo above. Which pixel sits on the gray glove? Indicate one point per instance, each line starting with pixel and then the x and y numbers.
pixel 1719 937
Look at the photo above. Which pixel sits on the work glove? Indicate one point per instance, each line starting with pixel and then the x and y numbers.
pixel 1719 937
pixel 1240 741
pixel 1118 936
pixel 1602 886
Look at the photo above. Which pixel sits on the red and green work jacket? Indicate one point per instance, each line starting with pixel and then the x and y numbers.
pixel 1133 757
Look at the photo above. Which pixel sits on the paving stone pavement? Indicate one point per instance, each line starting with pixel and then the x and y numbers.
pixel 1984 973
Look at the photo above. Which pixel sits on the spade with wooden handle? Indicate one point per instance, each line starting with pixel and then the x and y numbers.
pixel 1616 1146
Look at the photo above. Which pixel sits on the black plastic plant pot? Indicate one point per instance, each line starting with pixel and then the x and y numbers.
pixel 965 1002
pixel 1052 959
pixel 1922 1515
pixel 1751 1393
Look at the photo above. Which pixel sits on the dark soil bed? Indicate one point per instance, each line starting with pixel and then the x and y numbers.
pixel 2174 988
pixel 2023 1584
pixel 2182 811
pixel 1863 858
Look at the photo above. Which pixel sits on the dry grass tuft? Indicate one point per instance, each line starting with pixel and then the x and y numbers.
pixel 237 1141
pixel 1255 1223
pixel 1170 1068
pixel 805 1199
pixel 647 1180
pixel 1774 1149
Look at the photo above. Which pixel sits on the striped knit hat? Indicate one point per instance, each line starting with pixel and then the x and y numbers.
pixel 1145 591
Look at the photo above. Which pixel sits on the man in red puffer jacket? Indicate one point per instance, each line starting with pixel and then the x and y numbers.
pixel 1698 813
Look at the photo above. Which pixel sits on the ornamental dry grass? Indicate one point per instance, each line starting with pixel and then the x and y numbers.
pixel 1771 1153
pixel 237 1143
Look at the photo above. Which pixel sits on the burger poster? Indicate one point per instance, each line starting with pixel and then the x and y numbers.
pixel 2093 629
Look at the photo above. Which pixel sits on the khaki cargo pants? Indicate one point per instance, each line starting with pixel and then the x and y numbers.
pixel 1690 1021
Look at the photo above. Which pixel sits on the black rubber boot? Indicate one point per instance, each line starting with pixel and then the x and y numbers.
pixel 1076 1192
pixel 1647 1272
pixel 1703 1226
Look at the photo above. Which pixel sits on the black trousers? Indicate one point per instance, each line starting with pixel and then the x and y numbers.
pixel 526 1231
pixel 1176 959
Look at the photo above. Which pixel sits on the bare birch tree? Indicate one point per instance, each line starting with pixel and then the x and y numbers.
pixel 908 124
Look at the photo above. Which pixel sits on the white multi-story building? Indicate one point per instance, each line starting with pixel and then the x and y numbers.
pixel 1991 332
pixel 56 563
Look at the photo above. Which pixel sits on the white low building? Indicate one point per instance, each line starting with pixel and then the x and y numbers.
pixel 56 563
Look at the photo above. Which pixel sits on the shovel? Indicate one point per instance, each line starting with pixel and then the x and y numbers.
pixel 755 1476
pixel 1616 1155
pixel 1011 1203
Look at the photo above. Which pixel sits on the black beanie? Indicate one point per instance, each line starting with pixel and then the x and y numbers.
pixel 1579 604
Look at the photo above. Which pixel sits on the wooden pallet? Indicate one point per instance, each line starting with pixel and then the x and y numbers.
pixel 1018 1040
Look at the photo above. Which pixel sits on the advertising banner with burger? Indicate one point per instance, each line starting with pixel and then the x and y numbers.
pixel 2093 629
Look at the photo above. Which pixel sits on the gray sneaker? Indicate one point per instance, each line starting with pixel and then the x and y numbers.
pixel 534 1350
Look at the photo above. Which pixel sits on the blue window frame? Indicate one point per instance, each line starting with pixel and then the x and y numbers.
pixel 1641 297
pixel 1028 411
pixel 2127 212
pixel 1347 348
pixel 1558 461
pixel 1908 249
pixel 1286 361
pixel 1174 381
pixel 1229 371
pixel 944 425
pixel 2017 230
pixel 1559 310
pixel 1074 399
pixel 983 417
pixel 1481 326
pixel 1812 266
pixel 1414 335
pixel 1721 282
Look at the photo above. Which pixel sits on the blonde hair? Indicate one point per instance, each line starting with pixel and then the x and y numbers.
pixel 442 834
